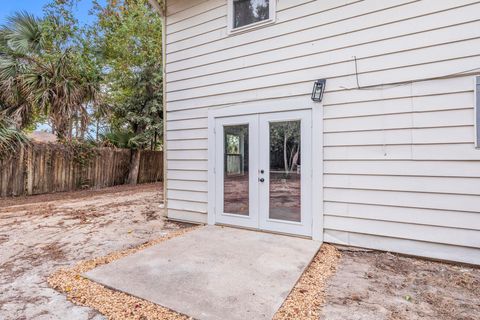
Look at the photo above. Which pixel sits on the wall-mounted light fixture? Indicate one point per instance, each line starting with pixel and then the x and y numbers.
pixel 318 90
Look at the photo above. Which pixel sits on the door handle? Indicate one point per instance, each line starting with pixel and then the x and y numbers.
pixel 261 180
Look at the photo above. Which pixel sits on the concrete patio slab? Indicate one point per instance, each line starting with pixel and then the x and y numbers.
pixel 214 272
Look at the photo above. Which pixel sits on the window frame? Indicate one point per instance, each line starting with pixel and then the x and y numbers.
pixel 272 18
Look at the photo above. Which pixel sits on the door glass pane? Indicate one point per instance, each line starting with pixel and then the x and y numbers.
pixel 235 185
pixel 246 12
pixel 285 164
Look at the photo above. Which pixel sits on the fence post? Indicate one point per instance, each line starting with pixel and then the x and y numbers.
pixel 29 170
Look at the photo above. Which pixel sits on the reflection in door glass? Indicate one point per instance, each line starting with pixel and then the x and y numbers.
pixel 285 164
pixel 235 185
pixel 250 11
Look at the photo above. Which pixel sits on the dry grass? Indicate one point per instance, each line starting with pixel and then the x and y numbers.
pixel 304 301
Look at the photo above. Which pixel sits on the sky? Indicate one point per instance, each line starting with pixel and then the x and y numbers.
pixel 7 7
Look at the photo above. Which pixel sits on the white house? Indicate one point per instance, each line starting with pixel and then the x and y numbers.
pixel 387 160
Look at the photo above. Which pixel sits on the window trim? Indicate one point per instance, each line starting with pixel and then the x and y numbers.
pixel 477 111
pixel 272 18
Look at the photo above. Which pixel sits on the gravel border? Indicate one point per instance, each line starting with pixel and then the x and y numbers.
pixel 307 297
pixel 303 302
pixel 112 304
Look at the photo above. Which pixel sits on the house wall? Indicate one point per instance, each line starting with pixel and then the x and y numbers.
pixel 401 171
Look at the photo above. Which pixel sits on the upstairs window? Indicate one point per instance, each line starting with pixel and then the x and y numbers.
pixel 244 14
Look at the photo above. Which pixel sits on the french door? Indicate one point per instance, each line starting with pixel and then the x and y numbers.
pixel 263 171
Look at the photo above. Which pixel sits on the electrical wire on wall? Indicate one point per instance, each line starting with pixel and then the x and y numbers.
pixel 401 83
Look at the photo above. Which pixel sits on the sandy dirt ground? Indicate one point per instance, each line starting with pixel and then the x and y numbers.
pixel 377 285
pixel 43 233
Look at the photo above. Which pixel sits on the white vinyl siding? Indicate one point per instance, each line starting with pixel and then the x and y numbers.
pixel 401 171
pixel 477 112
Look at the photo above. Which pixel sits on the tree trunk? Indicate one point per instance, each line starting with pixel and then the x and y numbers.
pixel 294 162
pixel 52 125
pixel 76 126
pixel 62 131
pixel 285 154
pixel 96 129
pixel 134 167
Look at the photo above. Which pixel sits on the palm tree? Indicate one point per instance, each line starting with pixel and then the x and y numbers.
pixel 38 74
pixel 10 138
pixel 18 41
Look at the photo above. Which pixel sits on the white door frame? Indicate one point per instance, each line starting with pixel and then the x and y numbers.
pixel 268 106
pixel 250 220
pixel 303 227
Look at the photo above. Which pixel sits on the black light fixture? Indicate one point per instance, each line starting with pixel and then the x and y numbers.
pixel 318 90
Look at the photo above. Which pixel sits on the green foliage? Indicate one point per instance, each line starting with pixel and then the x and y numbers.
pixel 54 69
pixel 285 141
pixel 20 40
pixel 10 138
pixel 42 71
pixel 119 138
pixel 81 151
pixel 130 34
pixel 129 37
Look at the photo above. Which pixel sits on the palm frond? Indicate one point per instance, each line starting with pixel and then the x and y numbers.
pixel 10 138
pixel 120 138
pixel 22 33
pixel 38 77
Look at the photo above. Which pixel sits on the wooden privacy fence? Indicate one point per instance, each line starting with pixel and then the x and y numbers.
pixel 46 168
pixel 151 166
